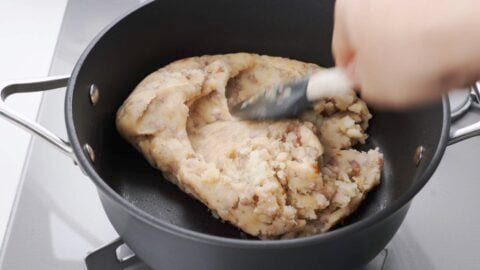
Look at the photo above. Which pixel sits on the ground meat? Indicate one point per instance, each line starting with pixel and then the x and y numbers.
pixel 272 179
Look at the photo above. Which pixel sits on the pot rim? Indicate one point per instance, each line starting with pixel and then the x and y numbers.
pixel 85 164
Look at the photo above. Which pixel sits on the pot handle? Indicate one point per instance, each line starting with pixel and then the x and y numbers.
pixel 25 86
pixel 472 101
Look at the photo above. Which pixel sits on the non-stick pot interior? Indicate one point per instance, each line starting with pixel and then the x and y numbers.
pixel 166 30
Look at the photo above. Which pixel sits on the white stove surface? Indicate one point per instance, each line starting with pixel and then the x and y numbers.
pixel 57 218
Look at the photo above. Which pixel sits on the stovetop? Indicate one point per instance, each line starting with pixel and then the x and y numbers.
pixel 57 218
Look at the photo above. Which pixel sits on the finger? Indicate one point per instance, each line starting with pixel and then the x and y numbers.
pixel 342 51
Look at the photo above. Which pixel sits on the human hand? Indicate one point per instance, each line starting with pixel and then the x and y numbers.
pixel 402 53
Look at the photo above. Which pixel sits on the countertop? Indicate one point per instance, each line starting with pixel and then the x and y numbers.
pixel 28 31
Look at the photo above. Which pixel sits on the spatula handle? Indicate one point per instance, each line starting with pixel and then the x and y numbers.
pixel 328 83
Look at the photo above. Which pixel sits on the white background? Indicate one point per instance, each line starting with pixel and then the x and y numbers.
pixel 28 34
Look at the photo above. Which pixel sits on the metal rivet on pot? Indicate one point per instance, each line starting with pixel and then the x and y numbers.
pixel 94 94
pixel 89 150
pixel 419 153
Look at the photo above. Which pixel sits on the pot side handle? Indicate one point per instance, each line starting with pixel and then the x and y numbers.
pixel 14 87
pixel 472 101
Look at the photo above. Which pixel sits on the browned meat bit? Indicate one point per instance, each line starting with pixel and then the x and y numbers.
pixel 252 78
pixel 355 168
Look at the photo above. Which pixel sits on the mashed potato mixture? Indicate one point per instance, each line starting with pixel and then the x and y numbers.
pixel 272 179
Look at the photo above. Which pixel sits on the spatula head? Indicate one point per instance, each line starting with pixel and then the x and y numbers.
pixel 281 101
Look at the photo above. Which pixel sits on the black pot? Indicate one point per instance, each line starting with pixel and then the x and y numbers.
pixel 166 228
